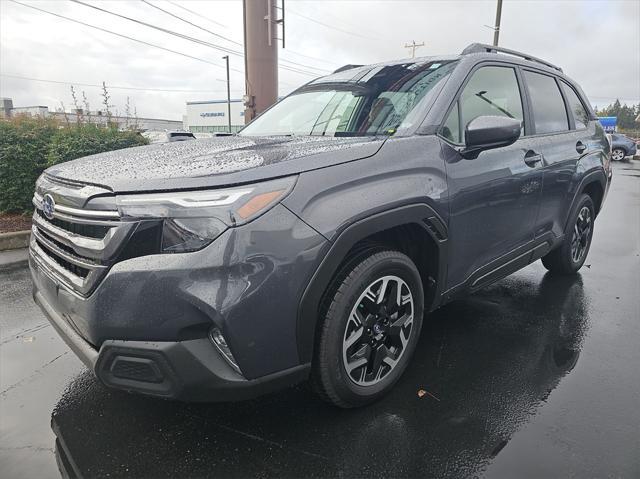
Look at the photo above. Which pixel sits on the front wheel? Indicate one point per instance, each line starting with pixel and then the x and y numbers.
pixel 618 154
pixel 569 257
pixel 370 329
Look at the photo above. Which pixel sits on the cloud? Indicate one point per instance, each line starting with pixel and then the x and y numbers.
pixel 596 43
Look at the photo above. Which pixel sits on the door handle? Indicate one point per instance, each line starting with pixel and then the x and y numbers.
pixel 531 158
pixel 581 147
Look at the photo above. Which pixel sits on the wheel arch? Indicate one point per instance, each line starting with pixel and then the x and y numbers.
pixel 405 229
pixel 596 191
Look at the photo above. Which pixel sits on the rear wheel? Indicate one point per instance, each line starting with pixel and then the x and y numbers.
pixel 370 329
pixel 571 254
pixel 618 154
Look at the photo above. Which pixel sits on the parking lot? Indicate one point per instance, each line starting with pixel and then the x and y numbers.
pixel 535 373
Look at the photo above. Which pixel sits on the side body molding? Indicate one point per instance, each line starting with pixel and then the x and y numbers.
pixel 415 214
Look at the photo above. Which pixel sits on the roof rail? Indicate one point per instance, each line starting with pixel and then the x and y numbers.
pixel 482 48
pixel 346 67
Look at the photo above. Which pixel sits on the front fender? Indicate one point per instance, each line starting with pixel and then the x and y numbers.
pixel 310 304
pixel 403 183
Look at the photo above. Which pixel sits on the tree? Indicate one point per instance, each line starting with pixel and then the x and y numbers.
pixel 626 114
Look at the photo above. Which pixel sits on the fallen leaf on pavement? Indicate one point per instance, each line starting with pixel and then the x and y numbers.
pixel 422 393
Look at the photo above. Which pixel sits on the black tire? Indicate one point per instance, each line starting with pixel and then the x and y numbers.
pixel 347 296
pixel 569 257
pixel 618 154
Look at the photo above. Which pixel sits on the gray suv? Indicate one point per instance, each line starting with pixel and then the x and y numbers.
pixel 312 244
pixel 621 147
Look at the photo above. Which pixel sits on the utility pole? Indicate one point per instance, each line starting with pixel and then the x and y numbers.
pixel 496 28
pixel 413 45
pixel 260 56
pixel 226 57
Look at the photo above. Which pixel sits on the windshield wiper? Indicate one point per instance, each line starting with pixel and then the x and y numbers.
pixel 480 94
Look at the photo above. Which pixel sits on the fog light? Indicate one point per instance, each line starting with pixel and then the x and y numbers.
pixel 221 344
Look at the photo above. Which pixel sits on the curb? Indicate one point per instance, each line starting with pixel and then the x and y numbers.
pixel 14 240
pixel 13 258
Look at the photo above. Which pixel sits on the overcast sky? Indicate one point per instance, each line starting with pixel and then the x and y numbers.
pixel 595 42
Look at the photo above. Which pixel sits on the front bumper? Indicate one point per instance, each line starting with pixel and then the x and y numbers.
pixel 184 370
pixel 159 310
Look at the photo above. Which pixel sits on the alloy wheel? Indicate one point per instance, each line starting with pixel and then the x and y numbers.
pixel 581 235
pixel 378 330
pixel 617 155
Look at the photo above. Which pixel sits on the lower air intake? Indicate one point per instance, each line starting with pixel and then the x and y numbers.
pixel 136 369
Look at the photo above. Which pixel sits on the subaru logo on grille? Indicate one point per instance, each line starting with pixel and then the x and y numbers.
pixel 48 206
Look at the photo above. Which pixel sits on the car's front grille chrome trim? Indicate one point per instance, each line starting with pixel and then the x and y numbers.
pixel 97 249
pixel 77 212
pixel 76 246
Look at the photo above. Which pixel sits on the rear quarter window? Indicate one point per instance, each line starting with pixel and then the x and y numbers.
pixel 580 115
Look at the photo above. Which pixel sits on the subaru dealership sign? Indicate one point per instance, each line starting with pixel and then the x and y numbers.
pixel 608 123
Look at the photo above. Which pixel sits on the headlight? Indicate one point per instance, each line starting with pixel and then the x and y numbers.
pixel 192 219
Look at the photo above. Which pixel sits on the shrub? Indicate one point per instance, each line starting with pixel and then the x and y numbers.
pixel 24 145
pixel 88 139
pixel 29 145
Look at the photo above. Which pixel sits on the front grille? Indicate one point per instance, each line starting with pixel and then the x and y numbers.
pixel 76 245
pixel 63 247
pixel 70 267
pixel 90 231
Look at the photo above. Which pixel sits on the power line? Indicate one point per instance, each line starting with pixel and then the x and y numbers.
pixel 326 13
pixel 196 13
pixel 171 90
pixel 148 43
pixel 191 23
pixel 289 51
pixel 188 38
pixel 223 37
pixel 155 27
pixel 327 25
pixel 59 82
pixel 117 34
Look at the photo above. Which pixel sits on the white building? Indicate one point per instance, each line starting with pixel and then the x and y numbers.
pixel 211 116
pixel 123 122
pixel 7 109
pixel 98 117
pixel 37 110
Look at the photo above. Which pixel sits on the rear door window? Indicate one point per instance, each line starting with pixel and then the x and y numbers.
pixel 547 105
pixel 580 115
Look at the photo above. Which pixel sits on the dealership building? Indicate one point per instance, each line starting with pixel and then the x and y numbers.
pixel 211 116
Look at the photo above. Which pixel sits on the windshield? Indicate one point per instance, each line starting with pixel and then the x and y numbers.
pixel 373 100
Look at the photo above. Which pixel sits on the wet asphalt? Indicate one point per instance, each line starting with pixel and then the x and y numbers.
pixel 535 376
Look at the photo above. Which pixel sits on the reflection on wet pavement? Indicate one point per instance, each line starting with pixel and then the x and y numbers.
pixel 487 366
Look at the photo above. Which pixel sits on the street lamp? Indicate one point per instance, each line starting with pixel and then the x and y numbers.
pixel 226 57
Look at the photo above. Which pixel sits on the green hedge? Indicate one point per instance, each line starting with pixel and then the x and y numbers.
pixel 29 145
pixel 24 146
pixel 76 142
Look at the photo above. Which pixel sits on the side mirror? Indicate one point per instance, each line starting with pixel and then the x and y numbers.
pixel 488 132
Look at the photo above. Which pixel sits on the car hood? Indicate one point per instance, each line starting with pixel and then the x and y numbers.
pixel 212 162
